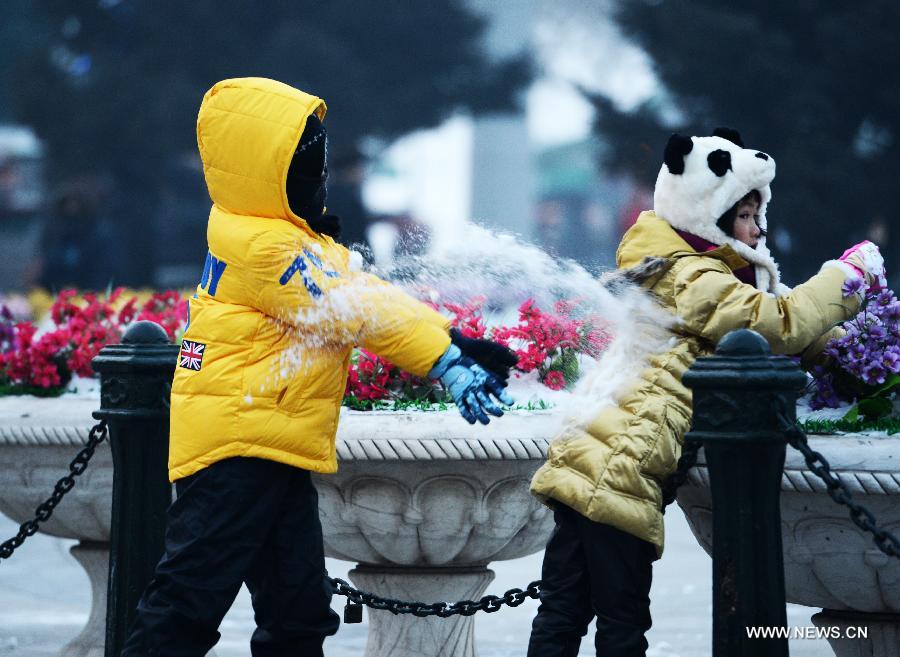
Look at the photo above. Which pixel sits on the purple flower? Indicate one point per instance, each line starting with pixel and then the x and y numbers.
pixel 865 356
pixel 855 368
pixel 874 374
pixel 825 395
pixel 891 359
pixel 856 352
pixel 877 332
pixel 852 286
pixel 883 299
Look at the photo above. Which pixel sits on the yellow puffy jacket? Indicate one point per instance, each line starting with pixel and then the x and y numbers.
pixel 264 360
pixel 610 470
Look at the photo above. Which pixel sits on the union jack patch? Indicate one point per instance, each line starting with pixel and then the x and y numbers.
pixel 191 355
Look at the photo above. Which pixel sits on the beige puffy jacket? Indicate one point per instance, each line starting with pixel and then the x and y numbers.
pixel 610 470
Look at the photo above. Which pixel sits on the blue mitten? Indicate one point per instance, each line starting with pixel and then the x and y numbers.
pixel 470 386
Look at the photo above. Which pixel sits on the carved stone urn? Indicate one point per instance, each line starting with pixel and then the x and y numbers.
pixel 423 502
pixel 38 440
pixel 828 561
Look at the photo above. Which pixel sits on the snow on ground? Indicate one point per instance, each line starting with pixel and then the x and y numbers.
pixel 44 602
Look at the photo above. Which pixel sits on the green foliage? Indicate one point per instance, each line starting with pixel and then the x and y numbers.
pixel 8 389
pixel 567 363
pixel 816 85
pixel 877 404
pixel 845 425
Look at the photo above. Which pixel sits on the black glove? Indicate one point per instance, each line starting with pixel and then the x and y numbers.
pixel 493 357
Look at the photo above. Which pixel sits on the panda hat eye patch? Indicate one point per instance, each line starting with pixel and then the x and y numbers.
pixel 719 162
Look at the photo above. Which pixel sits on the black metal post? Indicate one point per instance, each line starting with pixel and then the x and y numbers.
pixel 736 396
pixel 135 384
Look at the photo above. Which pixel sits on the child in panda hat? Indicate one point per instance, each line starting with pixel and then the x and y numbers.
pixel 603 476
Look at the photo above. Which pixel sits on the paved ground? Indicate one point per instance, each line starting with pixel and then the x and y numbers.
pixel 44 601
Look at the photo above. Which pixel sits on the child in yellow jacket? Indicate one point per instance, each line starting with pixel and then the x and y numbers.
pixel 260 378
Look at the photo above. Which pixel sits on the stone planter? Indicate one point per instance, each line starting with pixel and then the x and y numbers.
pixel 38 439
pixel 828 561
pixel 422 502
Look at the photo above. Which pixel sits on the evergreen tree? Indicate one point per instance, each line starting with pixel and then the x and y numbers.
pixel 815 84
pixel 114 85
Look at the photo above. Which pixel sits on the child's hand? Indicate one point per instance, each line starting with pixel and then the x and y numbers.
pixel 470 386
pixel 867 260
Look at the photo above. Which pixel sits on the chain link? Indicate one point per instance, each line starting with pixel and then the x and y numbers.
pixel 861 516
pixel 45 509
pixel 492 603
pixel 488 604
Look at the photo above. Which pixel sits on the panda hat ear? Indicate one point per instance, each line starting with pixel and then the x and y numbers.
pixel 730 134
pixel 676 148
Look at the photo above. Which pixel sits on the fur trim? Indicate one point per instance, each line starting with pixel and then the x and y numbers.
pixel 783 290
pixel 849 270
pixel 648 269
pixel 695 199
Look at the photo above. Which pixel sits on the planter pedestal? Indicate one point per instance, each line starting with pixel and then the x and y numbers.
pixel 405 635
pixel 882 633
pixel 94 558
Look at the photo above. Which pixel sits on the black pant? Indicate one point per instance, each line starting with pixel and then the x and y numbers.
pixel 591 569
pixel 239 520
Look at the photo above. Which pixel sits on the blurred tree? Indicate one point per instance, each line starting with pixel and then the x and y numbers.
pixel 816 84
pixel 115 85
pixel 18 33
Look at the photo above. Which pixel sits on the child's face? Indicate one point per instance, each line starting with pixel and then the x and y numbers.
pixel 746 229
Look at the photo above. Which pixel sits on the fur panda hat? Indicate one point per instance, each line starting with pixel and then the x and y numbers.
pixel 702 178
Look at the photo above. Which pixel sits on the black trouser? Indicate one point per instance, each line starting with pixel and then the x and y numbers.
pixel 239 520
pixel 591 569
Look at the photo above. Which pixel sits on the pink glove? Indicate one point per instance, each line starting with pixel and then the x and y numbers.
pixel 866 259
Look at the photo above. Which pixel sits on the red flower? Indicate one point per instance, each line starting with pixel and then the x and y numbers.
pixel 555 380
pixel 468 317
pixel 82 328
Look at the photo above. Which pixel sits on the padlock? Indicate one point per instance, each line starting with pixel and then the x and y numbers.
pixel 352 612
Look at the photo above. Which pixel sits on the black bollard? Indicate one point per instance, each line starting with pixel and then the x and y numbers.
pixel 135 385
pixel 736 397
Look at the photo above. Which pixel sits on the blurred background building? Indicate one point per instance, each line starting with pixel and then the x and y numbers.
pixel 538 117
pixel 22 204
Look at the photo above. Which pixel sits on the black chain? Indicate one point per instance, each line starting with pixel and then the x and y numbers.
pixel 489 603
pixel 45 509
pixel 839 492
pixel 687 461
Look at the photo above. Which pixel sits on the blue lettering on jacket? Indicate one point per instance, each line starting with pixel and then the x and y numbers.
pixel 188 325
pixel 313 258
pixel 299 265
pixel 213 268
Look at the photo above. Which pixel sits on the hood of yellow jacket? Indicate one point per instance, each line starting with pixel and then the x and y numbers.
pixel 247 132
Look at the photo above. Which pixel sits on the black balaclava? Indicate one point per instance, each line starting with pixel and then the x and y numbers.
pixel 308 173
